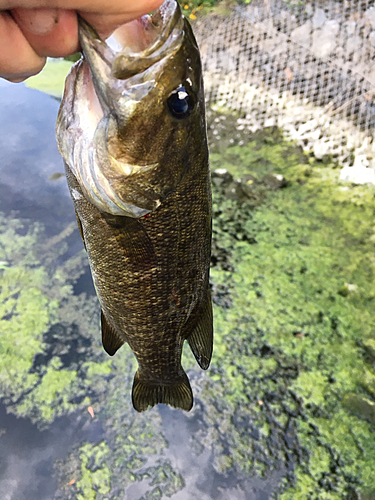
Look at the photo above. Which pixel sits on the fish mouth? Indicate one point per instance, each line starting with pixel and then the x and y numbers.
pixel 125 65
pixel 101 93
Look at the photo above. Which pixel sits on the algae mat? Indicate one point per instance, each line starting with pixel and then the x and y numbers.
pixel 297 343
pixel 291 391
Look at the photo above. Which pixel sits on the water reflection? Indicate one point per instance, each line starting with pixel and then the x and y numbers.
pixel 201 479
pixel 28 455
pixel 29 157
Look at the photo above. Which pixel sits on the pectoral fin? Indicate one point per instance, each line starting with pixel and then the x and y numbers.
pixel 177 393
pixel 132 237
pixel 201 338
pixel 110 339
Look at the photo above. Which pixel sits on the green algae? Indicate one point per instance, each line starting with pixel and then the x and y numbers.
pixel 34 298
pixel 292 381
pixel 302 288
pixel 95 478
pixel 24 310
pixel 51 396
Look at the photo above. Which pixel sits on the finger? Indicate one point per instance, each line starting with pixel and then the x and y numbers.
pixel 29 43
pixel 106 23
pixel 19 60
pixel 104 16
pixel 129 8
pixel 50 32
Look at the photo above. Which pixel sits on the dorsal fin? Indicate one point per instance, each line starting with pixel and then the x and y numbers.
pixel 110 338
pixel 201 338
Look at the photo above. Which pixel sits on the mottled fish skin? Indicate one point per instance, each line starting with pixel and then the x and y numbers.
pixel 151 273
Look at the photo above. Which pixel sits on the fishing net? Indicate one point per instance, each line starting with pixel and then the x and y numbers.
pixel 306 67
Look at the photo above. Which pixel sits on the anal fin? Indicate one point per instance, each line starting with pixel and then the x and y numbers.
pixel 201 338
pixel 110 339
pixel 147 393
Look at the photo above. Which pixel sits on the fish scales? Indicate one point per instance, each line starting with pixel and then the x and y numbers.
pixel 147 234
pixel 164 286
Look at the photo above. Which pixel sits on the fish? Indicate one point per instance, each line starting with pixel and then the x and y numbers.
pixel 132 132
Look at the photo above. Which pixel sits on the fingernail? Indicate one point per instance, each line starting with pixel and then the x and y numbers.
pixel 37 21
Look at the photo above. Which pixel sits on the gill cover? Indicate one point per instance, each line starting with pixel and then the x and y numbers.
pixel 102 93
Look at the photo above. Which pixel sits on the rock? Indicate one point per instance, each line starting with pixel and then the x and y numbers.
pixel 302 34
pixel 368 383
pixel 369 345
pixel 321 149
pixel 360 405
pixel 247 187
pixel 283 17
pixel 309 9
pixel 221 175
pixel 319 19
pixel 354 44
pixel 359 173
pixel 370 16
pixel 347 289
pixel 274 181
pixel 252 14
pixel 324 39
pixel 370 73
pixel 306 127
pixel 372 38
pixel 350 27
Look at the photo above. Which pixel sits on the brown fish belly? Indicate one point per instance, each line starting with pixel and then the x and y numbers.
pixel 152 279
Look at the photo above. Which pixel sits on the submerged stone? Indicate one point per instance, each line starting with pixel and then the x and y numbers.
pixel 369 345
pixel 360 405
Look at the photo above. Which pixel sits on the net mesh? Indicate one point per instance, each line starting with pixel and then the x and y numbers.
pixel 306 67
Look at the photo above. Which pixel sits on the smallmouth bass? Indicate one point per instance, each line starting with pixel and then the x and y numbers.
pixel 131 130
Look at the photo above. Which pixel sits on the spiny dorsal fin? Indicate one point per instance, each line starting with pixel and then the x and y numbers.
pixel 201 338
pixel 110 339
pixel 177 394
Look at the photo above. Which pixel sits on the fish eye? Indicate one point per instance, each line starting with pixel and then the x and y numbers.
pixel 180 103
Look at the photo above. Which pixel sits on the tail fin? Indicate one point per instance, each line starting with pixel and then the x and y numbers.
pixel 177 394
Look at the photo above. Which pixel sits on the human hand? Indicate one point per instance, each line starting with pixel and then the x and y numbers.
pixel 32 30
